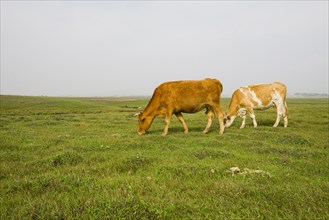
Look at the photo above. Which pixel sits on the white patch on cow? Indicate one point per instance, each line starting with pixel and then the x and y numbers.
pixel 256 99
pixel 241 90
pixel 246 94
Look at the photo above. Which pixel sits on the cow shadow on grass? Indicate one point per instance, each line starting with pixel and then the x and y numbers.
pixel 260 123
pixel 180 130
pixel 265 122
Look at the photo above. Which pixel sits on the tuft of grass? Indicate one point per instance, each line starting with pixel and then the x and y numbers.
pixel 67 158
pixel 211 153
pixel 134 163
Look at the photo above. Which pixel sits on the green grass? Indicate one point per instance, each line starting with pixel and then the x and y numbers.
pixel 81 158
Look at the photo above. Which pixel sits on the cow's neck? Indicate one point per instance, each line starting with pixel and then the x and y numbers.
pixel 152 108
pixel 232 109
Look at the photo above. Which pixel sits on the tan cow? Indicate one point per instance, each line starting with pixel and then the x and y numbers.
pixel 263 96
pixel 180 97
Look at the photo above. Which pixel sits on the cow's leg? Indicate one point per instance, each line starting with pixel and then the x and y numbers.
pixel 279 113
pixel 252 116
pixel 243 114
pixel 220 115
pixel 167 122
pixel 211 116
pixel 285 115
pixel 181 119
pixel 244 117
pixel 278 117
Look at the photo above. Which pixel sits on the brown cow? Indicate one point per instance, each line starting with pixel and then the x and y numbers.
pixel 262 96
pixel 188 96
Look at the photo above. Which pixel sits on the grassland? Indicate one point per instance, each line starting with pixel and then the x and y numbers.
pixel 81 158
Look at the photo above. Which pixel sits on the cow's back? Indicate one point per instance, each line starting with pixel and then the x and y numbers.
pixel 189 95
pixel 265 92
pixel 189 88
pixel 267 88
pixel 260 95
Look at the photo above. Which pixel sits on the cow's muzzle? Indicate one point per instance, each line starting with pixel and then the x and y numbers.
pixel 141 132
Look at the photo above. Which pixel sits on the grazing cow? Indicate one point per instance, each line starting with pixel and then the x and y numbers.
pixel 263 96
pixel 180 97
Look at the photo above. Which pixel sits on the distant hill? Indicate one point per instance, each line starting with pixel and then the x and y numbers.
pixel 308 95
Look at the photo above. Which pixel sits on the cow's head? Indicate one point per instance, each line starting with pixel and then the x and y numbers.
pixel 144 123
pixel 228 120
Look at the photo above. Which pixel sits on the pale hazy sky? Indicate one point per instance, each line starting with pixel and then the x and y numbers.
pixel 107 48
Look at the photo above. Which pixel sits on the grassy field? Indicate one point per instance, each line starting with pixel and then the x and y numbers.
pixel 81 158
